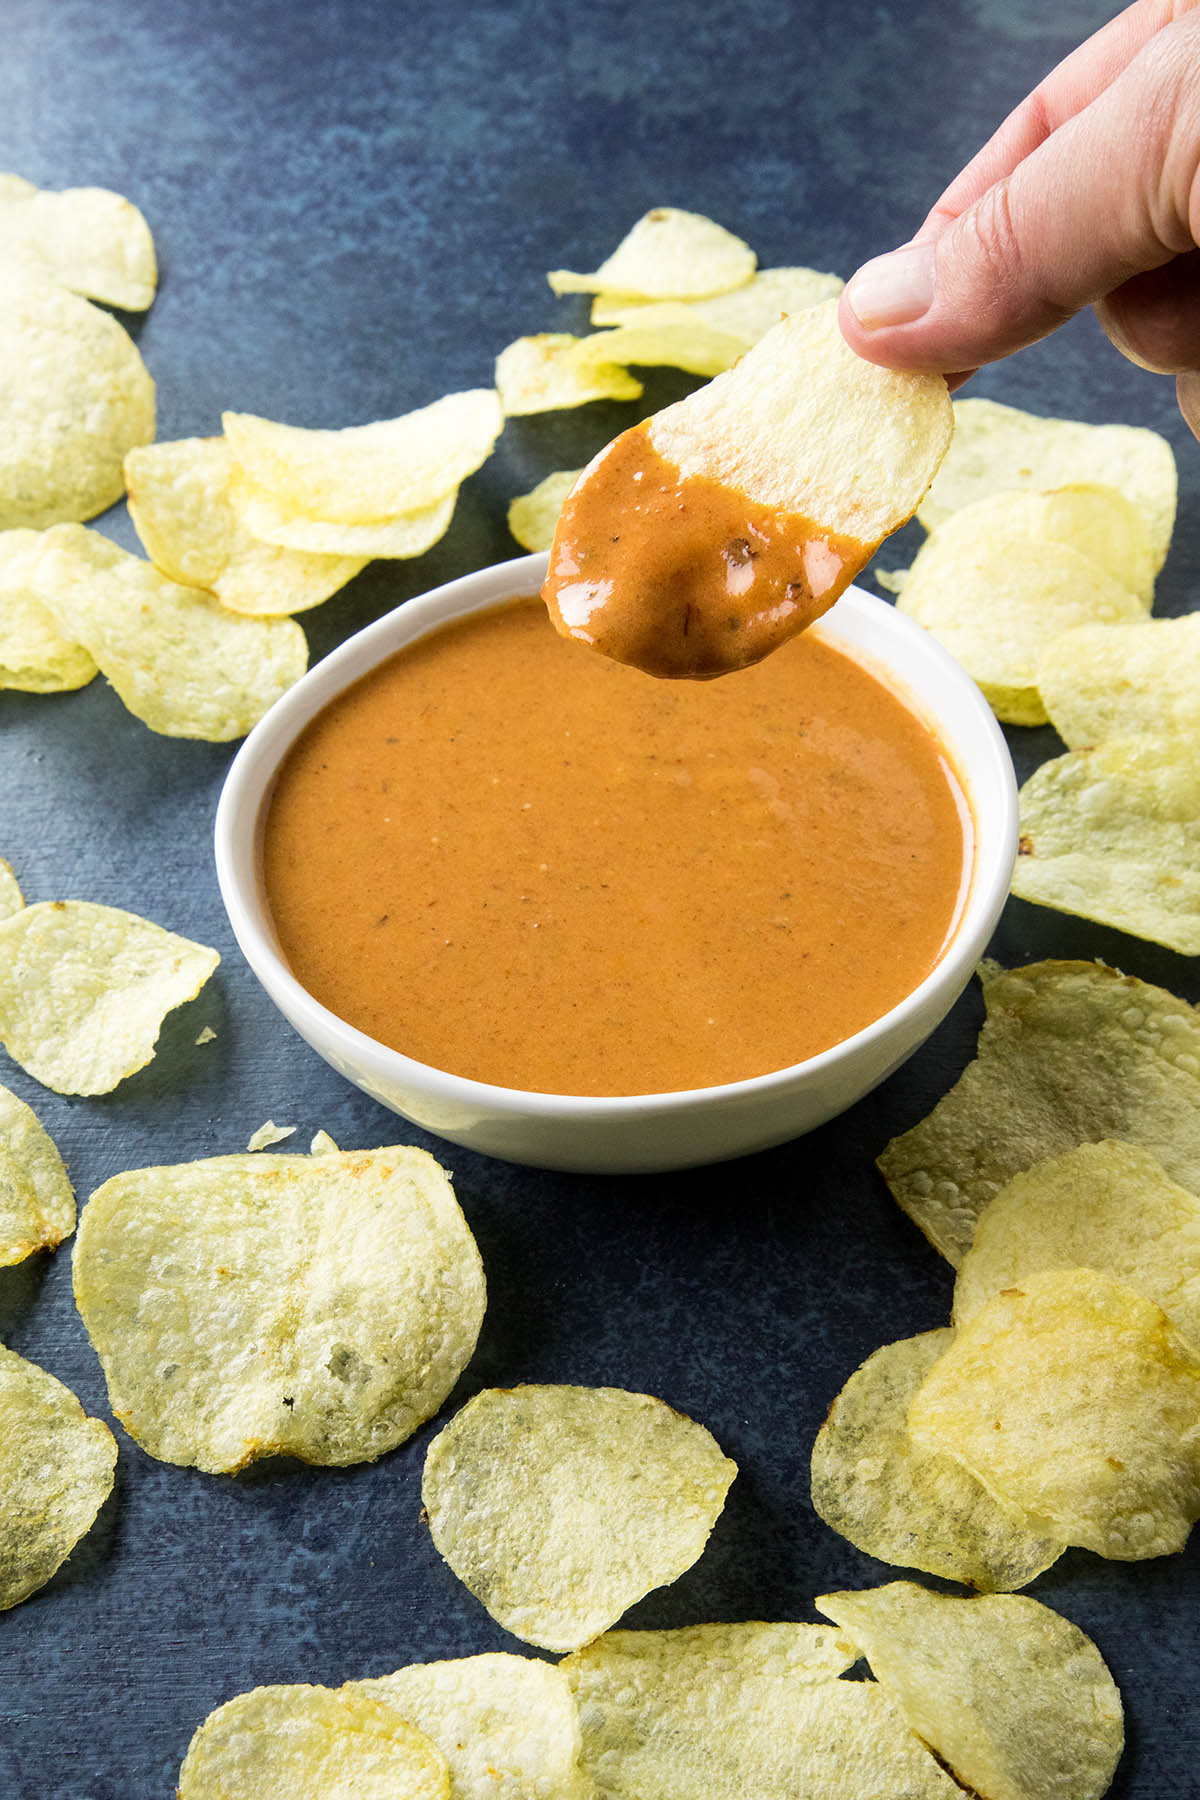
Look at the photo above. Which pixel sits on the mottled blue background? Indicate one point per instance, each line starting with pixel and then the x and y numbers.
pixel 354 204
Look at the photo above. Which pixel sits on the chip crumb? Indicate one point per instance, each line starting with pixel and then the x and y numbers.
pixel 270 1133
pixel 322 1145
pixel 206 1036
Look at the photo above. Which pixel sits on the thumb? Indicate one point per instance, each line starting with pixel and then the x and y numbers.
pixel 1107 196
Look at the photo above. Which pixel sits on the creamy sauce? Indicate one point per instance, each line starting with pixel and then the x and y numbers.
pixel 520 862
pixel 681 575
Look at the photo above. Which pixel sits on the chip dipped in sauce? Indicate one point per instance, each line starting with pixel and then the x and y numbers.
pixel 522 863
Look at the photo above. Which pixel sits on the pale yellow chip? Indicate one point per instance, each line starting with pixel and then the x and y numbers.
pixel 533 516
pixel 34 655
pixel 207 1036
pixel 55 1475
pixel 322 1145
pixel 310 1743
pixel 90 240
pixel 179 501
pixel 270 1133
pixel 1105 681
pixel 560 1506
pixel 747 312
pixel 994 599
pixel 666 336
pixel 742 1712
pixel 1104 1206
pixel 507 1725
pixel 76 398
pixel 999 447
pixel 264 516
pixel 908 1505
pixel 804 425
pixel 542 374
pixel 368 473
pixel 37 1201
pixel 84 990
pixel 181 662
pixel 1015 1700
pixel 668 255
pixel 1071 1052
pixel 1113 834
pixel 11 897
pixel 1077 1403
pixel 313 1306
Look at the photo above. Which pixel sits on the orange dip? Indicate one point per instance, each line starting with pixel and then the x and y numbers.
pixel 520 862
pixel 682 575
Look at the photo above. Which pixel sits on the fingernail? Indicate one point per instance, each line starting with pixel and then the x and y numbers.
pixel 893 289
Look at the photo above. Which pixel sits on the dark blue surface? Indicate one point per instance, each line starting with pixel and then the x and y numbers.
pixel 354 204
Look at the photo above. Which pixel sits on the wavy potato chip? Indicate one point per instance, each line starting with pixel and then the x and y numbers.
pixel 666 336
pixel 507 1725
pixel 1070 1052
pixel 997 447
pixel 37 1201
pixel 1107 1206
pixel 1077 1402
pixel 533 516
pixel 747 312
pixel 906 1504
pixel 1014 1699
pixel 1104 681
pixel 76 398
pixel 1113 834
pixel 668 255
pixel 541 374
pixel 734 1711
pixel 310 1743
pixel 368 473
pixel 84 990
pixel 180 505
pixel 994 599
pixel 11 897
pixel 273 521
pixel 56 1473
pixel 246 1306
pixel 35 657
pixel 181 662
pixel 558 1507
pixel 90 240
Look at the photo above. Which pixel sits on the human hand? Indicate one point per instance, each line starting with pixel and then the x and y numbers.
pixel 1089 194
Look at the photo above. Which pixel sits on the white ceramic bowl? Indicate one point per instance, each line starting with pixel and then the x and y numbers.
pixel 648 1131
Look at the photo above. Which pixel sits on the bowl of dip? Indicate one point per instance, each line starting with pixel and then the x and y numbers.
pixel 570 915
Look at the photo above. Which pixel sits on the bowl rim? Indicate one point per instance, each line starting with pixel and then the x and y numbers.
pixel 250 780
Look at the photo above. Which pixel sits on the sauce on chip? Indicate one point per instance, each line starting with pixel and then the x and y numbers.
pixel 526 864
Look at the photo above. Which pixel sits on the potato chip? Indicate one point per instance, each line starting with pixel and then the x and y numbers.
pixel 540 374
pixel 533 516
pixel 1105 681
pixel 1077 1403
pixel 37 1201
pixel 76 398
pixel 84 990
pixel 322 1145
pixel 207 1036
pixel 57 1473
pixel 1113 834
pixel 994 599
pixel 34 655
pixel 273 521
pixel 367 473
pixel 1071 1052
pixel 182 663
pixel 908 1505
pixel 507 1725
pixel 270 1133
pixel 87 239
pixel 560 1506
pixel 247 1306
pixel 1014 1699
pixel 668 255
pixel 732 1712
pixel 1104 1206
pixel 310 1743
pixel 747 312
pixel 11 897
pixel 179 502
pixel 666 337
